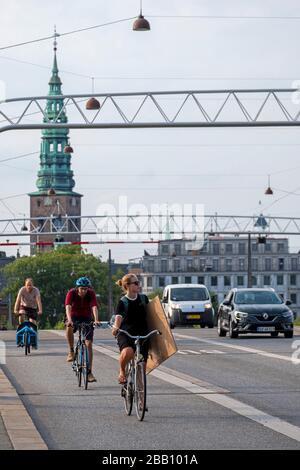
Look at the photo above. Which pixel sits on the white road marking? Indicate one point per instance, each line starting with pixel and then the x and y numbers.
pixel 266 420
pixel 199 352
pixel 211 351
pixel 271 422
pixel 190 351
pixel 235 346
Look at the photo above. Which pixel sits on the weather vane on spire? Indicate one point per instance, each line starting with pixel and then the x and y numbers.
pixel 55 35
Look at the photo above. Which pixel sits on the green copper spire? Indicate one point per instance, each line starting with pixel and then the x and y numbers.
pixel 55 165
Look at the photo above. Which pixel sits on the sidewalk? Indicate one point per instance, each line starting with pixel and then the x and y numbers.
pixel 17 430
pixel 5 443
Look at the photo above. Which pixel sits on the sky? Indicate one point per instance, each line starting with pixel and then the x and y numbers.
pixel 225 170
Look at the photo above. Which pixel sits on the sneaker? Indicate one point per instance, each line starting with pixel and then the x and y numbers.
pixel 91 377
pixel 71 356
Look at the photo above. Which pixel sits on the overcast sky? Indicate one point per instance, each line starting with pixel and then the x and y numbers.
pixel 226 170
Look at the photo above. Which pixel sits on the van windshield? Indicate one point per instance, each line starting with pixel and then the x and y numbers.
pixel 189 293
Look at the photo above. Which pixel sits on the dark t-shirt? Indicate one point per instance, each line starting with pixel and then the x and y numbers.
pixel 81 306
pixel 134 320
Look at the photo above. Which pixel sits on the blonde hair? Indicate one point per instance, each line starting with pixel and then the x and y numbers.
pixel 123 283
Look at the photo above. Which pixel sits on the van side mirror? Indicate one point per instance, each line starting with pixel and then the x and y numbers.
pixel 226 302
pixel 165 300
pixel 288 302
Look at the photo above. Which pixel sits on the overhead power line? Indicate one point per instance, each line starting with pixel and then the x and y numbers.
pixel 222 17
pixel 136 77
pixel 53 36
pixel 228 17
pixel 18 156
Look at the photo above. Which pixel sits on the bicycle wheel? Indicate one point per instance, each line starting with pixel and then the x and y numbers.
pixel 75 361
pixel 127 390
pixel 80 365
pixel 140 390
pixel 85 365
pixel 27 343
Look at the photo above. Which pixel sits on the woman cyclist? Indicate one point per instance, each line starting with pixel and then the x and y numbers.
pixel 130 316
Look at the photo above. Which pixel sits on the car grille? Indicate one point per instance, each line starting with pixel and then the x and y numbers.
pixel 260 318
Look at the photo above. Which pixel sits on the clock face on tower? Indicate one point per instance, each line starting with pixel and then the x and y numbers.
pixel 47 201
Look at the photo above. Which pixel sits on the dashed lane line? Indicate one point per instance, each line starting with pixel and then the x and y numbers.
pixel 236 346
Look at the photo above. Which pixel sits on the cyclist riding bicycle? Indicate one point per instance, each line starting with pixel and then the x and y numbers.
pixel 28 303
pixel 81 307
pixel 130 316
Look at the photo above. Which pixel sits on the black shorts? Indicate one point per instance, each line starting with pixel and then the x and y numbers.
pixel 90 335
pixel 125 342
pixel 31 313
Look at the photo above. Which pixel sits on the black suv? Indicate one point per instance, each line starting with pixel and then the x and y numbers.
pixel 255 311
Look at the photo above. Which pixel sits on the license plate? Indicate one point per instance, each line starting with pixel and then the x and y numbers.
pixel 193 317
pixel 266 328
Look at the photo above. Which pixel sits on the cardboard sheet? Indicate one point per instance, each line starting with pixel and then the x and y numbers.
pixel 161 346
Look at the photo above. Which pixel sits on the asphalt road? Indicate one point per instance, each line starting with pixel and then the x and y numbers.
pixel 215 393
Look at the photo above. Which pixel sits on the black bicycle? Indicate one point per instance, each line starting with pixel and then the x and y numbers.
pixel 135 388
pixel 81 363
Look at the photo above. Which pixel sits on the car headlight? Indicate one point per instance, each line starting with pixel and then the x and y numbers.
pixel 288 315
pixel 240 315
pixel 207 305
pixel 175 306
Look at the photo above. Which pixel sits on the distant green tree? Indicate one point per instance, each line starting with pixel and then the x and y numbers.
pixel 215 303
pixel 156 292
pixel 54 273
pixel 214 300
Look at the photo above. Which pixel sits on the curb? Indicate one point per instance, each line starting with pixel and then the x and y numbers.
pixel 17 422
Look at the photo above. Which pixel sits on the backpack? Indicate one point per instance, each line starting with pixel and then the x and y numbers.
pixel 126 302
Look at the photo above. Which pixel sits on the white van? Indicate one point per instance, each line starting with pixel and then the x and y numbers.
pixel 188 304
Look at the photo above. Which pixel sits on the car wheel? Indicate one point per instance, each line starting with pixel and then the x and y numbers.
pixel 232 333
pixel 210 324
pixel 221 331
pixel 289 334
pixel 274 334
pixel 202 326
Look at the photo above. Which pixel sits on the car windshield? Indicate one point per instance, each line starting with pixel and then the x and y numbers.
pixel 189 293
pixel 257 297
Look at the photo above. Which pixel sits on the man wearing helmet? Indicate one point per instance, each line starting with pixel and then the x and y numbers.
pixel 81 306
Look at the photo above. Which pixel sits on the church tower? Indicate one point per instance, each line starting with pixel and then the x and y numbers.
pixel 55 197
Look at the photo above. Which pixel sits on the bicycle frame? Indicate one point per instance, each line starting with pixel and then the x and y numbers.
pixel 80 364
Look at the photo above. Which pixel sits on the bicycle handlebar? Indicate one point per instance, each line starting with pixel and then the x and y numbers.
pixel 79 323
pixel 153 332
